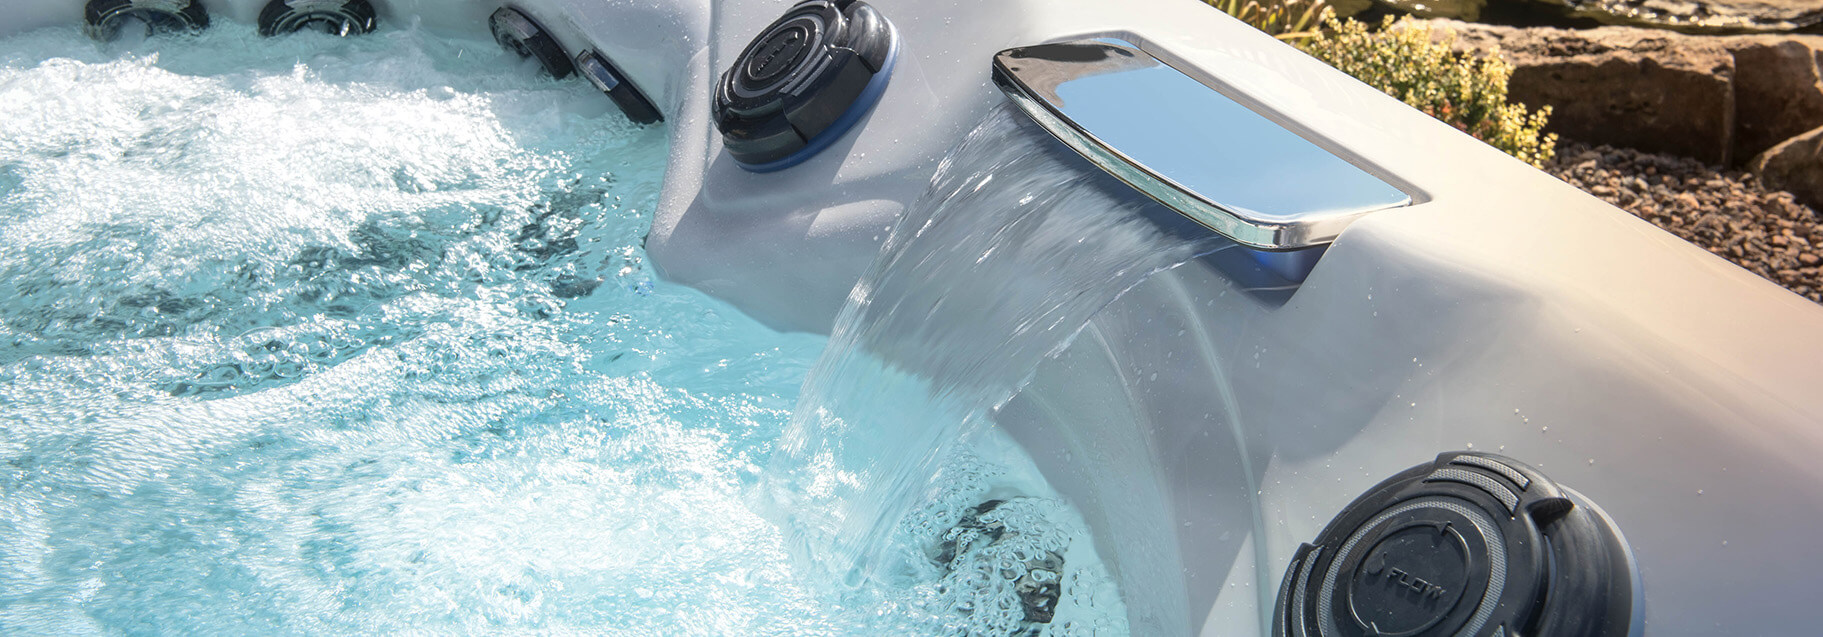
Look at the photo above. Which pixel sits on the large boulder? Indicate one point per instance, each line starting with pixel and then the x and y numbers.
pixel 1651 90
pixel 1795 166
pixel 1778 92
pixel 1721 99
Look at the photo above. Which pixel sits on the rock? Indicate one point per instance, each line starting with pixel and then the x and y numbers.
pixel 1795 165
pixel 1690 16
pixel 1655 91
pixel 1718 99
pixel 1469 10
pixel 1348 8
pixel 1778 92
pixel 1696 16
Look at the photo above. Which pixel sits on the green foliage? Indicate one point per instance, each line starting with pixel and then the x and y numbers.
pixel 1289 20
pixel 1468 91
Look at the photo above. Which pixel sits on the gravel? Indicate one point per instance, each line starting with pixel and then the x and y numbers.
pixel 1728 213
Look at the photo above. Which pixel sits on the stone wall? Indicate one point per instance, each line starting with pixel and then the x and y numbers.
pixel 1721 99
pixel 1750 100
pixel 1713 17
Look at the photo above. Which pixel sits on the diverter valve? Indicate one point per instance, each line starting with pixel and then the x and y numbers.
pixel 803 82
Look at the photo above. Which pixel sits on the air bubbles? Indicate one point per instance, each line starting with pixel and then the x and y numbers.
pixel 221 375
pixel 374 283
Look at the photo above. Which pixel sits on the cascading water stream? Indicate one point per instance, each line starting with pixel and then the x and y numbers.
pixel 1006 257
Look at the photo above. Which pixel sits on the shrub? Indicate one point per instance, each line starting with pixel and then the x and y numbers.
pixel 1468 91
pixel 1290 20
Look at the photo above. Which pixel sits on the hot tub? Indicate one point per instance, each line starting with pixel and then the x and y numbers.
pixel 1208 425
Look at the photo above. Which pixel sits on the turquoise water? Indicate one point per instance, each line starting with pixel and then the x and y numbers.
pixel 325 336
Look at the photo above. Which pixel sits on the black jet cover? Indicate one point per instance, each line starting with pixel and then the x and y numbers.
pixel 1471 544
pixel 800 77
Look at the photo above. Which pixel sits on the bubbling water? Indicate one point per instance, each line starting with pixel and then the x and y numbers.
pixel 349 336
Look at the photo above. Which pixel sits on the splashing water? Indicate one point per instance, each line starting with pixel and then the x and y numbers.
pixel 354 336
pixel 1002 262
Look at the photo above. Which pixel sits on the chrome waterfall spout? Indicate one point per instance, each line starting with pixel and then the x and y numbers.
pixel 1188 145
